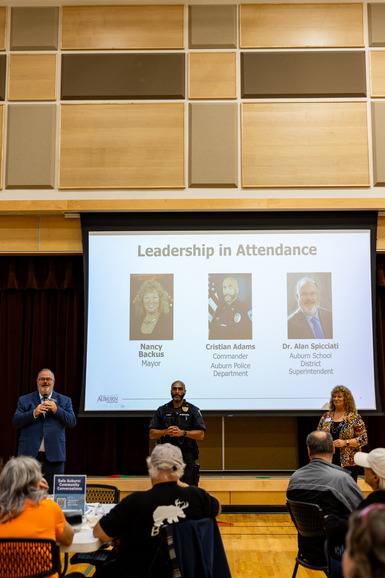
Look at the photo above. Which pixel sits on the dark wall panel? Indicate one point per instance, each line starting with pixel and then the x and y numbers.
pixel 303 74
pixel 35 28
pixel 120 76
pixel 3 69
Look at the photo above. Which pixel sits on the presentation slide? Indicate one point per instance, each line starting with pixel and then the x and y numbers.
pixel 250 321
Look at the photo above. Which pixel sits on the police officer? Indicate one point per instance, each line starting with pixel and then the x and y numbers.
pixel 180 423
pixel 231 319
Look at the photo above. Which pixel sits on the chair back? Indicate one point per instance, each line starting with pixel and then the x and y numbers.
pixel 29 558
pixel 307 518
pixel 196 549
pixel 102 493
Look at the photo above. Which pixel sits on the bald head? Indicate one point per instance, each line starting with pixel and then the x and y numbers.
pixel 320 445
pixel 230 289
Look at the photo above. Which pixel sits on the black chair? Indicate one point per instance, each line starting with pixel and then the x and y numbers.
pixel 309 522
pixel 29 558
pixel 190 548
pixel 102 494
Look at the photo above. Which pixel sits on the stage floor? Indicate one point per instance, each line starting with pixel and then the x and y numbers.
pixel 232 490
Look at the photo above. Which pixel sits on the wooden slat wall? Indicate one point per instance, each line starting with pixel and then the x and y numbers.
pixel 301 25
pixel 123 27
pixel 57 234
pixel 295 144
pixel 44 234
pixel 32 77
pixel 108 145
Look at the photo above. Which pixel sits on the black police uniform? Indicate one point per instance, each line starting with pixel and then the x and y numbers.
pixel 231 322
pixel 187 417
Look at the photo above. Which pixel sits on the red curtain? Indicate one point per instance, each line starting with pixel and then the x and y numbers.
pixel 42 325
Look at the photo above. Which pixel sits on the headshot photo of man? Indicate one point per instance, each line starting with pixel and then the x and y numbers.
pixel 309 320
pixel 230 306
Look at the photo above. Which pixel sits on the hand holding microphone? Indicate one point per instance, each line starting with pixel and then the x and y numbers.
pixel 46 405
pixel 49 404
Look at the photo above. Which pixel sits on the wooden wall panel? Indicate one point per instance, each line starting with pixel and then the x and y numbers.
pixel 377 73
pixel 210 450
pixel 262 443
pixel 122 27
pixel 40 234
pixel 212 75
pixel 60 235
pixel 301 25
pixel 123 76
pixel 32 77
pixel 380 245
pixel 212 26
pixel 34 28
pixel 376 24
pixel 122 146
pixel 213 150
pixel 18 234
pixel 2 110
pixel 378 132
pixel 303 74
pixel 305 144
pixel 31 146
pixel 3 28
pixel 3 74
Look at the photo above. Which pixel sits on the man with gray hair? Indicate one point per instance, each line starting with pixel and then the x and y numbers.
pixel 138 519
pixel 42 417
pixel 309 321
pixel 324 483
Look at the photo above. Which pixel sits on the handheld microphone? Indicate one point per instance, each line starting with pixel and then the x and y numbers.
pixel 45 397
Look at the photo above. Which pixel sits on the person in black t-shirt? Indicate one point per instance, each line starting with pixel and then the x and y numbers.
pixel 138 519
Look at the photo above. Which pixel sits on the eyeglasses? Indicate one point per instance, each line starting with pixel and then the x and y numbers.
pixel 44 379
pixel 312 294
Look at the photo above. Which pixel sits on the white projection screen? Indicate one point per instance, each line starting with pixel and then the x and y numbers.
pixel 223 302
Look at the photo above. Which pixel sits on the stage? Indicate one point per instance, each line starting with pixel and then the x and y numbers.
pixel 236 492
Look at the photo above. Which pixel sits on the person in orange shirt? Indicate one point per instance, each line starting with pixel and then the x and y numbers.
pixel 25 511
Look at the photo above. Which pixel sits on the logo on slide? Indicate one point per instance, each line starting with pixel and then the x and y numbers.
pixel 111 398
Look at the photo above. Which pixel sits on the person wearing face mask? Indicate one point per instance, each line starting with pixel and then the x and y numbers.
pixel 152 313
pixel 347 428
pixel 232 319
pixel 181 424
pixel 42 417
pixel 310 321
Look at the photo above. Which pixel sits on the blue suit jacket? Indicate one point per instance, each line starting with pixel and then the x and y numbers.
pixel 299 328
pixel 51 427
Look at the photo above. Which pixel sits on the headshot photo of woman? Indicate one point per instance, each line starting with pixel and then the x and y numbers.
pixel 151 308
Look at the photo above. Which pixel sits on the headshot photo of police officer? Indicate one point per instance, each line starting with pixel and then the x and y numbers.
pixel 151 311
pixel 230 311
pixel 309 306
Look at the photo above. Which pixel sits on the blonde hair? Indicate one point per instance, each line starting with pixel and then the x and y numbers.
pixel 150 287
pixel 350 404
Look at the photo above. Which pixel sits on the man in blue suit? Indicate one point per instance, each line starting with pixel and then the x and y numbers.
pixel 42 417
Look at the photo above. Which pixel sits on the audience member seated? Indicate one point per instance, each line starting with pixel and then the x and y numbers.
pixel 364 556
pixel 326 484
pixel 25 510
pixel 138 519
pixel 374 468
